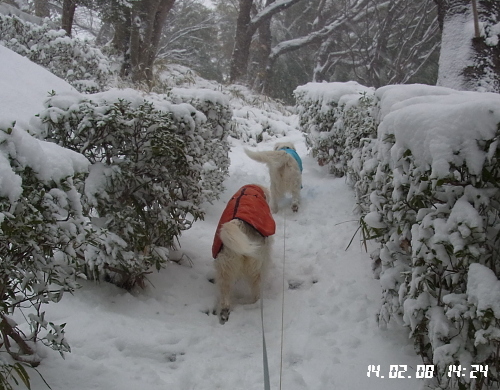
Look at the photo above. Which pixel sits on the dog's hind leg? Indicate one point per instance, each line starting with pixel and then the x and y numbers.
pixel 276 195
pixel 224 299
pixel 255 269
pixel 296 195
pixel 255 280
pixel 224 280
pixel 295 200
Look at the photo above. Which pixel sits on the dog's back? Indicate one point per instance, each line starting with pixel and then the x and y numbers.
pixel 285 171
pixel 241 245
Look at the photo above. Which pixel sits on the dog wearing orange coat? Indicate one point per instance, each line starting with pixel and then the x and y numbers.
pixel 242 244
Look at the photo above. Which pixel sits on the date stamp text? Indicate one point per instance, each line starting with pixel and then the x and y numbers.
pixel 400 371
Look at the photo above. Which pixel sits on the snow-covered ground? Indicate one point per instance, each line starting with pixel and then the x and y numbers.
pixel 165 337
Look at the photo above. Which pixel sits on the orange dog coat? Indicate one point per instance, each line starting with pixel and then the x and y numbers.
pixel 248 204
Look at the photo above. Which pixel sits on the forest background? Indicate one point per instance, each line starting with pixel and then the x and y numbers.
pixel 275 45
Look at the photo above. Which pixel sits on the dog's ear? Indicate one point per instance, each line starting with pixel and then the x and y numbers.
pixel 277 146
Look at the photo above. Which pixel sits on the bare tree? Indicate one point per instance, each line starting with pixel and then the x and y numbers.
pixel 68 15
pixel 148 18
pixel 137 31
pixel 321 32
pixel 246 26
pixel 262 51
pixel 375 42
pixel 384 45
pixel 190 37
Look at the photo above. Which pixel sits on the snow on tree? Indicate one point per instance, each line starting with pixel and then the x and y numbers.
pixel 42 226
pixel 154 163
pixel 83 66
pixel 246 26
pixel 137 27
pixel 145 167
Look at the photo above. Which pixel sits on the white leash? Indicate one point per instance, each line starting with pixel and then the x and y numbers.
pixel 267 385
pixel 283 301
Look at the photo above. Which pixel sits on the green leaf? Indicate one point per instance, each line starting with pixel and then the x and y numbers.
pixel 23 375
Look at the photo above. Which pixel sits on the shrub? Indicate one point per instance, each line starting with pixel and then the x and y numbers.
pixel 257 117
pixel 42 227
pixel 335 118
pixel 428 190
pixel 76 61
pixel 215 148
pixel 145 184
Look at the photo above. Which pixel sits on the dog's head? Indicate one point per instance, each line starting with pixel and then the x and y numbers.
pixel 284 145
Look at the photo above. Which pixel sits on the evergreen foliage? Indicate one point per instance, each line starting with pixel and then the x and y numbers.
pixel 138 170
pixel 146 181
pixel 42 228
pixel 333 129
pixel 80 64
pixel 438 236
pixel 215 157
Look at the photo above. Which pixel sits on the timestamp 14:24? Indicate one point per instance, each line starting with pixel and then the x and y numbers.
pixel 426 371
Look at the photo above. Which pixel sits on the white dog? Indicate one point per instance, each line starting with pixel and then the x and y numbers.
pixel 285 171
pixel 242 244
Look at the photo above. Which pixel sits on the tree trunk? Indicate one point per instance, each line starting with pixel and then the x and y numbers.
pixel 323 62
pixel 147 20
pixel 120 19
pixel 243 39
pixel 467 62
pixel 105 34
pixel 246 28
pixel 484 73
pixel 442 7
pixel 262 53
pixel 68 14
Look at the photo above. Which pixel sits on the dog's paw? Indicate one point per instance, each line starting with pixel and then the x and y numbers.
pixel 223 316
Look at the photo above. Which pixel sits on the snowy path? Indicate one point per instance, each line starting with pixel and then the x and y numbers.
pixel 165 338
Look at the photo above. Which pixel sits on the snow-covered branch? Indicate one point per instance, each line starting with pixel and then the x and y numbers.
pixel 317 36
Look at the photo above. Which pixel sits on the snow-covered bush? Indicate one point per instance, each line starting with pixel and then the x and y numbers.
pixel 429 194
pixel 145 184
pixel 76 61
pixel 215 155
pixel 335 118
pixel 42 227
pixel 257 117
pixel 436 213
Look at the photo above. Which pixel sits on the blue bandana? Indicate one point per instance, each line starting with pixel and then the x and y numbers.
pixel 294 154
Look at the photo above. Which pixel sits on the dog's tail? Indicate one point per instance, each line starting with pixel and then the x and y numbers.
pixel 275 158
pixel 235 239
